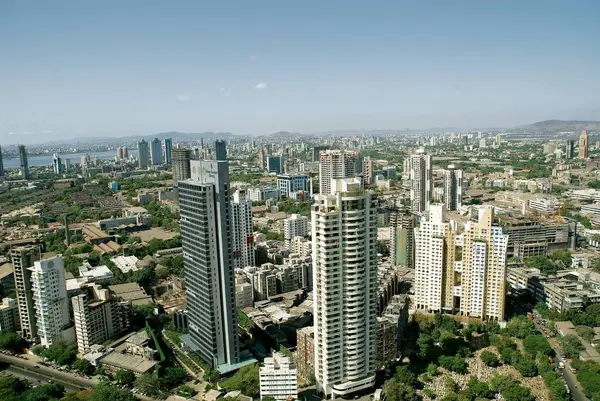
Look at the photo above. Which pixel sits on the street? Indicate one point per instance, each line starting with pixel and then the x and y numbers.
pixel 36 377
pixel 570 378
pixel 64 378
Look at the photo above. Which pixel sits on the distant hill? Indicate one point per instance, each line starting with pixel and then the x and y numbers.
pixel 555 126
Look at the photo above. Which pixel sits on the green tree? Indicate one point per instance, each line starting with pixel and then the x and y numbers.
pixel 520 327
pixel 11 341
pixel 489 358
pixel 453 363
pixel 245 380
pixel 546 266
pixel 587 333
pixel 500 383
pixel 518 393
pixel 526 366
pixel 405 376
pixel 108 392
pixel 173 377
pixel 84 366
pixel 45 392
pixel 571 345
pixel 396 391
pixel 148 384
pixel 125 377
pixel 535 343
pixel 11 387
pixel 563 257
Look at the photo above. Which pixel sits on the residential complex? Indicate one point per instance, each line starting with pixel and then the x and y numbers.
pixel 344 233
pixel 402 243
pixel 50 300
pixel 421 182
pixel 242 240
pixel 22 259
pixel 333 165
pixel 295 226
pixel 278 378
pixel 461 272
pixel 453 188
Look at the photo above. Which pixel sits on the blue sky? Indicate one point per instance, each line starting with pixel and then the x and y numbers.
pixel 82 68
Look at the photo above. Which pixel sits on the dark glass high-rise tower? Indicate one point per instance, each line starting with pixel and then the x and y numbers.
pixel 206 237
pixel 24 162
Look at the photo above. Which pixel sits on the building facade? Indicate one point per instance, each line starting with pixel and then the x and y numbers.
pixel 181 164
pixel 421 182
pixel 9 316
pixel 242 239
pixel 278 378
pixel 368 172
pixel 24 162
pixel 50 299
pixel 584 146
pixel 143 154
pixel 345 282
pixel 22 258
pixel 57 165
pixel 275 164
pixel 453 188
pixel 205 232
pixel 168 148
pixel 295 226
pixel 402 240
pixel 335 164
pixel 291 183
pixel 156 152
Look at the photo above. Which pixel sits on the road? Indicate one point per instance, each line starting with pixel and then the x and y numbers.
pixel 36 377
pixel 64 378
pixel 577 393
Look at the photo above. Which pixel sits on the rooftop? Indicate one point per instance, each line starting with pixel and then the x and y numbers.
pixel 125 361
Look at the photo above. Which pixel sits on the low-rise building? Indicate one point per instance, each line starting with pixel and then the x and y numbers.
pixel 564 291
pixel 9 316
pixel 125 263
pixel 278 378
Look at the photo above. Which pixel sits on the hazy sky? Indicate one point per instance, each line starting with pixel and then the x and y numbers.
pixel 84 67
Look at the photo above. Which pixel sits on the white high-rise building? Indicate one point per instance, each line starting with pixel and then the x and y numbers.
pixel 22 259
pixel 57 165
pixel 421 183
pixel 453 182
pixel 278 378
pixel 434 251
pixel 335 164
pixel 461 273
pixel 242 239
pixel 50 299
pixel 295 226
pixel 344 235
pixel 483 276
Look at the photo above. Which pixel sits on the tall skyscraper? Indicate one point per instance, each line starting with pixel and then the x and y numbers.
pixel 344 233
pixel 156 152
pixel 453 182
pixel 181 164
pixel 168 149
pixel 335 164
pixel 483 276
pixel 242 239
pixel 402 240
pixel 85 161
pixel 57 164
pixel 205 232
pixel 461 272
pixel 49 290
pixel 434 258
pixel 584 145
pixel 143 154
pixel 421 183
pixel 368 172
pixel 570 149
pixel 1 163
pixel 22 258
pixel 24 162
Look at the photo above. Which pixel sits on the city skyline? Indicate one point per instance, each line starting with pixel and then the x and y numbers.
pixel 330 67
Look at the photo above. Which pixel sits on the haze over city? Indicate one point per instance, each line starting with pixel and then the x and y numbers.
pixel 73 69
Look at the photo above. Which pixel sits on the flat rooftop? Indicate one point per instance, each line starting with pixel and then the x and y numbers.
pixel 125 361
